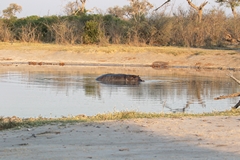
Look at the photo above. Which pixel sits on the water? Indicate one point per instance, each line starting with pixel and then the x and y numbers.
pixel 56 93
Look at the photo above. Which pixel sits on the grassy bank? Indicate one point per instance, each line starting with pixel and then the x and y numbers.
pixel 15 122
pixel 115 49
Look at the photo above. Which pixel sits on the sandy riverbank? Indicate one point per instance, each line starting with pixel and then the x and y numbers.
pixel 163 138
pixel 118 55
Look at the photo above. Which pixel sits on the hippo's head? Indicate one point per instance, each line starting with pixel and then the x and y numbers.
pixel 133 78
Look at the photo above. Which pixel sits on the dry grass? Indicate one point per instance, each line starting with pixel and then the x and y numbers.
pixel 15 122
pixel 112 49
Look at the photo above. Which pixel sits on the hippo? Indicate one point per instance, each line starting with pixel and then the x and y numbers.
pixel 121 79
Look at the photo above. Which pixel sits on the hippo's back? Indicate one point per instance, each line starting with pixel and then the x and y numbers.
pixel 112 77
pixel 119 79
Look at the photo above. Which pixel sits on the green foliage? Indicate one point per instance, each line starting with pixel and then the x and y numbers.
pixel 92 32
pixel 158 29
pixel 116 29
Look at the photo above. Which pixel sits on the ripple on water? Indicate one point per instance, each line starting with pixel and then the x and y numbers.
pixel 56 94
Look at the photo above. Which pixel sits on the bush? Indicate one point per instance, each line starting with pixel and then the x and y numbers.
pixel 92 32
pixel 159 29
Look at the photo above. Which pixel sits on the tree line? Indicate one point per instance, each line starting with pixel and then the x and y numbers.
pixel 133 24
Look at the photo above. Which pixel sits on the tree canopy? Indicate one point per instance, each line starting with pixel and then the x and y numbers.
pixel 11 10
pixel 230 3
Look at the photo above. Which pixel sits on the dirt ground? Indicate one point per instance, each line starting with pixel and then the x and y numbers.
pixel 225 60
pixel 162 138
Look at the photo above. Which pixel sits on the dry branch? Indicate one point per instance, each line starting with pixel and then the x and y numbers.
pixel 162 5
pixel 237 105
pixel 195 7
pixel 198 9
pixel 235 79
pixel 228 96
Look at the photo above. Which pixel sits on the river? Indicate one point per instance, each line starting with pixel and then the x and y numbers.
pixel 69 92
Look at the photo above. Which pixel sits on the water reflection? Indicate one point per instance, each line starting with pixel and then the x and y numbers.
pixel 62 93
pixel 91 89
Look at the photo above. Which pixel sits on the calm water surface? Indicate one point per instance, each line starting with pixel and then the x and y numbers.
pixel 61 93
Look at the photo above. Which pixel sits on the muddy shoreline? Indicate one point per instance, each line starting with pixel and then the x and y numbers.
pixel 116 65
pixel 220 60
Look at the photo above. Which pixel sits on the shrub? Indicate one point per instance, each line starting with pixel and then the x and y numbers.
pixel 92 32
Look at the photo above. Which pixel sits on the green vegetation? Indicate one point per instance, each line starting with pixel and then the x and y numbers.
pixel 155 29
pixel 15 122
pixel 92 32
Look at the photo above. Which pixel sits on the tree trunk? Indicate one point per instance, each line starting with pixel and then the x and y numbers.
pixel 238 81
pixel 200 16
pixel 237 105
pixel 83 6
pixel 234 11
pixel 198 9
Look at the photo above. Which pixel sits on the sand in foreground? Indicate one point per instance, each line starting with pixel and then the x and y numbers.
pixel 162 138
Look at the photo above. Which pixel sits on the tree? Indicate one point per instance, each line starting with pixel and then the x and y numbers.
pixel 11 10
pixel 230 3
pixel 136 13
pixel 116 11
pixel 76 8
pixel 137 9
pixel 198 9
